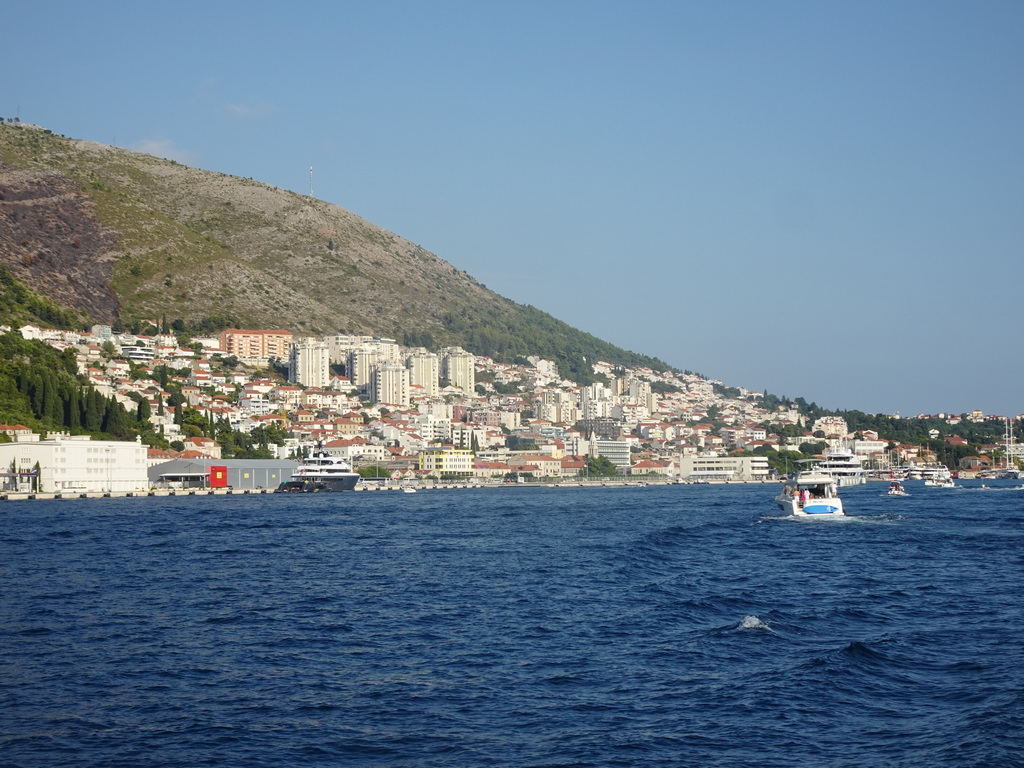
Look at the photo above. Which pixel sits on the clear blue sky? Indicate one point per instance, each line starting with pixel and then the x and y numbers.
pixel 819 199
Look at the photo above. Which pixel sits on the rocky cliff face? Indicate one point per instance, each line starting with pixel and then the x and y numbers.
pixel 51 239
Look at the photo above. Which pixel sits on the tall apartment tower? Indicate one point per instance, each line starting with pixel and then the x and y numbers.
pixel 557 406
pixel 359 365
pixel 424 370
pixel 309 363
pixel 390 384
pixel 595 402
pixel 388 350
pixel 457 365
pixel 642 393
pixel 342 346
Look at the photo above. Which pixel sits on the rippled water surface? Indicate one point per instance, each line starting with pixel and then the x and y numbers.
pixel 676 626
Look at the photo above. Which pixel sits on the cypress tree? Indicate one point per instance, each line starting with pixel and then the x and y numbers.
pixel 93 416
pixel 108 418
pixel 53 410
pixel 35 393
pixel 116 421
pixel 73 410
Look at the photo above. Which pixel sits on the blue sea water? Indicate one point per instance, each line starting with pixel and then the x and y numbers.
pixel 670 626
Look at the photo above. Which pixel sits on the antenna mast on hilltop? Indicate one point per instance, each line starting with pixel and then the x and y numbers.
pixel 310 179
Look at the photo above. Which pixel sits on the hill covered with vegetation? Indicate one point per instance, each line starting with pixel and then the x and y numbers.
pixel 119 236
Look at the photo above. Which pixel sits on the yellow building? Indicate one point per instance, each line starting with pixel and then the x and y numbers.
pixel 447 461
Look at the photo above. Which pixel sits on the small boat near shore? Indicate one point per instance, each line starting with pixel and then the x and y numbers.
pixel 811 493
pixel 896 489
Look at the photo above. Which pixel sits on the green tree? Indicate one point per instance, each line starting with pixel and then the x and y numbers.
pixel 92 412
pixel 813 449
pixel 73 409
pixel 193 418
pixel 599 466
pixel 517 443
pixel 116 421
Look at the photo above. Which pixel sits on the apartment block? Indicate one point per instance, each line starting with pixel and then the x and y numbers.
pixel 309 363
pixel 459 367
pixel 256 344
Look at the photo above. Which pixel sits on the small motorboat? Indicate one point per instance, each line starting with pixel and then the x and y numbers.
pixel 811 494
pixel 896 489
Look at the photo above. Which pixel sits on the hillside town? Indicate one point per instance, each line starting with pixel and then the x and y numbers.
pixel 418 414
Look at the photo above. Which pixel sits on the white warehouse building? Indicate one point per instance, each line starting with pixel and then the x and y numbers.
pixel 723 468
pixel 75 464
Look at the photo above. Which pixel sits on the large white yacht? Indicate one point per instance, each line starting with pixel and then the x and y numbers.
pixel 321 472
pixel 843 466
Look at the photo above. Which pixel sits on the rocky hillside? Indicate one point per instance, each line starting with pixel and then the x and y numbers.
pixel 116 234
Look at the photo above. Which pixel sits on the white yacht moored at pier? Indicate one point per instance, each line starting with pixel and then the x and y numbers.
pixel 843 466
pixel 321 472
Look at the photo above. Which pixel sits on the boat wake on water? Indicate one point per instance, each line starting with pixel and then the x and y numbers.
pixel 753 623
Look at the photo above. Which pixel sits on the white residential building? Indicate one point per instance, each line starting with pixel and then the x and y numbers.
pixel 390 384
pixel 616 451
pixel 831 426
pixel 596 402
pixel 359 364
pixel 342 345
pixel 641 394
pixel 424 370
pixel 309 363
pixel 433 428
pixel 140 354
pixel 561 412
pixel 458 367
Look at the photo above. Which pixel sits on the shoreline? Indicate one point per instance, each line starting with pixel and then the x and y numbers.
pixel 164 492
